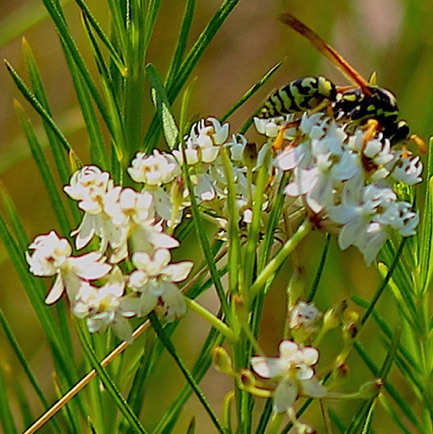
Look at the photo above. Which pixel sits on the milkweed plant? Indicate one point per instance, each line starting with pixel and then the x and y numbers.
pixel 118 277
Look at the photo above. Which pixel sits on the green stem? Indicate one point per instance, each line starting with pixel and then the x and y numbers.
pixel 275 423
pixel 211 319
pixel 280 257
pixel 165 340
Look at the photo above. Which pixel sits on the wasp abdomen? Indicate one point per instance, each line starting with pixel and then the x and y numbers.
pixel 299 95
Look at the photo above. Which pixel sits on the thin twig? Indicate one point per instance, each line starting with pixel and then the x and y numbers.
pixel 83 382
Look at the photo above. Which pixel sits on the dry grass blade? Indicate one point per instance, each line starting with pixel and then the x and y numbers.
pixel 83 382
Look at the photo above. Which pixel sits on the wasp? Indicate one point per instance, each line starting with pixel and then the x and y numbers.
pixel 364 103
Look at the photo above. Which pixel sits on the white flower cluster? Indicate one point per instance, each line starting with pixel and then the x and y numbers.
pixel 128 227
pixel 346 180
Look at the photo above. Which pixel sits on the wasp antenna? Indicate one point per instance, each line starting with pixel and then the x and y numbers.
pixel 320 45
pixel 372 80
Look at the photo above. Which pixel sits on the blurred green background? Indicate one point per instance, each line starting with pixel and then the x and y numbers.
pixel 391 37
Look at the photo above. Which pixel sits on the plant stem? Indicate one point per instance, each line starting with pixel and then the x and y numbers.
pixel 274 423
pixel 270 270
pixel 211 319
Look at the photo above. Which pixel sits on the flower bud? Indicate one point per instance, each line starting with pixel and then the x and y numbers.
pixel 341 369
pixel 332 317
pixel 222 361
pixel 295 289
pixel 249 155
pixel 247 381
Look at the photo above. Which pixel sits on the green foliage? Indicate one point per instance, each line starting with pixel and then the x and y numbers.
pixel 127 103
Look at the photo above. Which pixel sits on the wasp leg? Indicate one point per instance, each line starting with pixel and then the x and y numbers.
pixel 323 105
pixel 419 142
pixel 278 142
pixel 372 126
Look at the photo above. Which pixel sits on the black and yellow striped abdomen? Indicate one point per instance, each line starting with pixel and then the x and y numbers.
pixel 299 95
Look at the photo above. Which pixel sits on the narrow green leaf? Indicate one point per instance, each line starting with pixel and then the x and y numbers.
pixel 22 359
pixel 136 393
pixel 31 98
pixel 23 404
pixel 236 283
pixel 6 417
pixel 188 375
pixel 150 15
pixel 189 64
pixel 162 105
pixel 97 146
pixel 203 239
pixel 45 171
pixel 407 357
pixel 111 388
pixel 396 396
pixel 119 30
pixel 426 247
pixel 115 57
pixel 72 52
pixel 383 285
pixel 200 46
pixel 35 290
pixel 320 268
pixel 250 92
pixel 397 418
pixel 181 42
pixel 264 417
pixel 60 156
pixel 199 370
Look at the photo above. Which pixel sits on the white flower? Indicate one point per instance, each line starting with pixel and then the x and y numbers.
pixel 314 125
pixel 133 215
pixel 293 370
pixel 401 218
pixel 131 206
pixel 204 188
pixel 237 146
pixel 202 144
pixel 371 240
pixel 406 168
pixel 103 227
pixel 89 186
pixel 271 127
pixel 294 156
pixel 155 169
pixel 376 154
pixel 366 215
pixel 102 306
pixel 51 256
pixel 154 283
pixel 268 127
pixel 303 315
pixel 96 194
pixel 331 163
